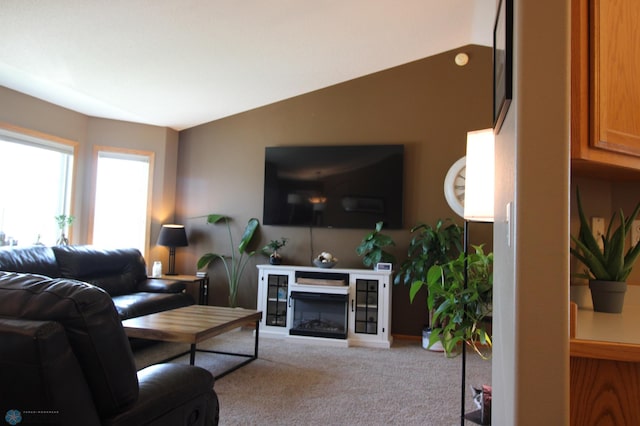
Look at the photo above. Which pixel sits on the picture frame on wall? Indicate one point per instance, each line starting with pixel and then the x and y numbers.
pixel 502 63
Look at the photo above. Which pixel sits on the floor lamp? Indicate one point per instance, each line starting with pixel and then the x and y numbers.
pixel 478 205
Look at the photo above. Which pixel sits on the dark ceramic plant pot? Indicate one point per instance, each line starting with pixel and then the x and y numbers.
pixel 607 296
pixel 275 260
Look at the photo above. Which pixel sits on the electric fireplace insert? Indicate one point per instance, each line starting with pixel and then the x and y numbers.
pixel 319 314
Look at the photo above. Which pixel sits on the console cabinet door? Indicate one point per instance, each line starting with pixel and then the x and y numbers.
pixel 368 312
pixel 273 293
pixel 605 85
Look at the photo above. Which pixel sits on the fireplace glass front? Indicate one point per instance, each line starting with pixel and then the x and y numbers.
pixel 319 314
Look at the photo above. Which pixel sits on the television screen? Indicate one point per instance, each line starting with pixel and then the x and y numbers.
pixel 334 186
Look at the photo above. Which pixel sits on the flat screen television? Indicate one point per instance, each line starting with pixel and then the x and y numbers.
pixel 336 186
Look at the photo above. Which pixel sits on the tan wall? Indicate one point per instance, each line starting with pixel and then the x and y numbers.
pixel 27 112
pixel 427 105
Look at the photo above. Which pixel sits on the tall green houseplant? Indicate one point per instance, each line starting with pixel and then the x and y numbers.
pixel 430 245
pixel 235 263
pixel 461 307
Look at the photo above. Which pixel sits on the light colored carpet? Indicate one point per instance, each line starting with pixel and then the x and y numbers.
pixel 295 383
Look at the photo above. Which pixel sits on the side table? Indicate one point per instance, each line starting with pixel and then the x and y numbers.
pixel 202 282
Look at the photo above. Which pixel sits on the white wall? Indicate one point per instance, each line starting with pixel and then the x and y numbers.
pixel 531 353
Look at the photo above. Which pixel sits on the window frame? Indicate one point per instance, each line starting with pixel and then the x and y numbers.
pixel 55 143
pixel 118 151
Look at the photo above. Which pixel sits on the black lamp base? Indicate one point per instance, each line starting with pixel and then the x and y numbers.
pixel 172 261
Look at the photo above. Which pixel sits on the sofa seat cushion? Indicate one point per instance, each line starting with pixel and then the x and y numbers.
pixel 142 303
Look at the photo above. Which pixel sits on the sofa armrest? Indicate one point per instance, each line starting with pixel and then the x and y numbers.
pixel 172 394
pixel 159 285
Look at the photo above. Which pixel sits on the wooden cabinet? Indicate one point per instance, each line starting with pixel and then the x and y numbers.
pixel 605 87
pixel 605 366
pixel 367 307
pixel 603 391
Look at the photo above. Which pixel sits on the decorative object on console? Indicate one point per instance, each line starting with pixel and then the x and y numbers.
pixel 325 260
pixel 172 236
pixel 383 266
pixel 234 265
pixel 271 250
pixel 607 267
pixel 63 221
pixel 371 247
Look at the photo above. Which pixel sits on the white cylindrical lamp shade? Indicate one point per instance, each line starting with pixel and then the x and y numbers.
pixel 479 176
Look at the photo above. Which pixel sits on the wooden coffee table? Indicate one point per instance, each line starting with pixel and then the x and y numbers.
pixel 193 324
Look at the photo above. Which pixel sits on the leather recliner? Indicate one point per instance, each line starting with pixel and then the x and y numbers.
pixel 65 359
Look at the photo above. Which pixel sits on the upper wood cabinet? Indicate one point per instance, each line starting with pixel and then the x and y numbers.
pixel 605 86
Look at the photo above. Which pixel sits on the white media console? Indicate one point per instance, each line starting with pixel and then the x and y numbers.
pixel 341 307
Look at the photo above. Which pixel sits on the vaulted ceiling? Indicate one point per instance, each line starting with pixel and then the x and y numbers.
pixel 180 63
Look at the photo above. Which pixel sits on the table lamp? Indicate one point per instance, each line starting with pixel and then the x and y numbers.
pixel 172 236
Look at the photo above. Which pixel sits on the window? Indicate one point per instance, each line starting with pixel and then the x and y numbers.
pixel 36 175
pixel 122 193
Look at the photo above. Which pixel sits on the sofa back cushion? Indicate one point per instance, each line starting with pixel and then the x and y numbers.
pixel 92 326
pixel 34 259
pixel 117 271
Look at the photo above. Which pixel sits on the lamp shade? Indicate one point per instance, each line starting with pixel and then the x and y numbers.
pixel 173 236
pixel 479 176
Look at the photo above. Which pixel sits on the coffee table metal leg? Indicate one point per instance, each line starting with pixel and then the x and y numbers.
pixel 255 353
pixel 192 354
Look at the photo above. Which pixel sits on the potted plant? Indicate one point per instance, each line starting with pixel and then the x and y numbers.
pixel 235 263
pixel 460 304
pixel 371 248
pixel 608 266
pixel 271 250
pixel 430 245
pixel 63 222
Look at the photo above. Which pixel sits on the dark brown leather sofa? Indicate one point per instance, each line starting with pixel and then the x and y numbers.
pixel 65 359
pixel 122 273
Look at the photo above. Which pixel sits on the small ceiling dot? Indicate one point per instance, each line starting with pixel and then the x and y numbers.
pixel 462 59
